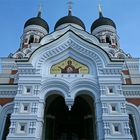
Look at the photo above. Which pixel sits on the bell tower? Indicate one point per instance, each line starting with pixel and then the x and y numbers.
pixel 34 29
pixel 105 30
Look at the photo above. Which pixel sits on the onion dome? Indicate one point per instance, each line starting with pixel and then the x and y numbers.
pixel 102 21
pixel 37 21
pixel 69 20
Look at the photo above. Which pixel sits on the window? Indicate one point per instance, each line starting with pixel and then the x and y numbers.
pixel 28 90
pixel 108 40
pixel 22 128
pixel 113 40
pixel 110 90
pixel 31 39
pixel 25 108
pixel 36 40
pixel 116 128
pixel 113 108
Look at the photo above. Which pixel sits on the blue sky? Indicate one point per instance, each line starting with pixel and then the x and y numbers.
pixel 14 13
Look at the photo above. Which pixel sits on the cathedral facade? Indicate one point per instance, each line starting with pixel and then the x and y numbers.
pixel 70 84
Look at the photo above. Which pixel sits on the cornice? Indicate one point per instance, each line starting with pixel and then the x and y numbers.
pixel 131 91
pixel 8 91
pixel 7 94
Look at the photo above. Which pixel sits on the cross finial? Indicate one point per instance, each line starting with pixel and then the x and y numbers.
pixel 70 7
pixel 100 10
pixel 40 9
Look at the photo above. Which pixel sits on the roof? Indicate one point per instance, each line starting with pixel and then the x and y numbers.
pixel 102 21
pixel 69 19
pixel 37 21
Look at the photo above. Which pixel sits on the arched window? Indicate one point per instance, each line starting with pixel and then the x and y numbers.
pixel 108 40
pixel 31 40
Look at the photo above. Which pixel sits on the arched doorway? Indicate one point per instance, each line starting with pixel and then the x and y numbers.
pixel 5 121
pixel 62 124
pixel 6 127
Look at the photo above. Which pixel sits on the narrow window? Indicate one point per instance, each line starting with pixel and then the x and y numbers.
pixel 25 107
pixel 108 40
pixel 36 40
pixel 113 108
pixel 116 128
pixel 22 127
pixel 28 90
pixel 113 40
pixel 31 39
pixel 110 90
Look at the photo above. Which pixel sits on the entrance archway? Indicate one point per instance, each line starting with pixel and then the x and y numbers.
pixel 6 128
pixel 62 124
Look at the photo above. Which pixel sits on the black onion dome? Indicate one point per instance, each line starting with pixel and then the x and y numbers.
pixel 102 21
pixel 37 21
pixel 69 19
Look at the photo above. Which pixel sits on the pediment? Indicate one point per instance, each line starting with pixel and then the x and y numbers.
pixel 70 46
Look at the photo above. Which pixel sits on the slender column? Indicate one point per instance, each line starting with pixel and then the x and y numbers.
pixel 99 121
pixel 40 123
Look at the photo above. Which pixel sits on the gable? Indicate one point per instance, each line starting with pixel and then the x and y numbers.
pixel 69 46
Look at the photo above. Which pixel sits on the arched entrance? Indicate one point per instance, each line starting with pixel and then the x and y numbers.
pixel 6 127
pixel 5 121
pixel 62 124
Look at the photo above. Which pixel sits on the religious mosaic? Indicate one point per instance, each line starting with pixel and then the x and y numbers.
pixel 69 65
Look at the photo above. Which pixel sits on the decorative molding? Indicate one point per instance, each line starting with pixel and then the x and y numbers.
pixel 131 93
pixel 26 71
pixel 32 127
pixel 9 94
pixel 107 128
pixel 34 107
pixel 110 71
pixel 36 89
pixel 126 128
pixel 70 44
pixel 105 108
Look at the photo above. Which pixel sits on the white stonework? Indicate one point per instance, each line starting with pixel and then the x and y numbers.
pixel 104 83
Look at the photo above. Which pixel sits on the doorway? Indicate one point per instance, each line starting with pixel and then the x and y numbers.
pixel 62 124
